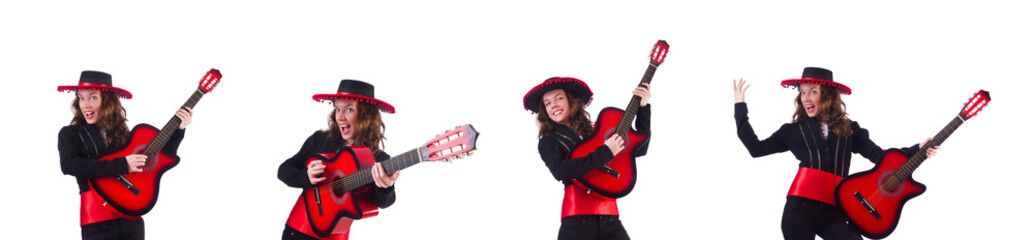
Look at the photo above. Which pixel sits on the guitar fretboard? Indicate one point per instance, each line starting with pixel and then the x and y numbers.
pixel 633 105
pixel 363 176
pixel 906 169
pixel 159 141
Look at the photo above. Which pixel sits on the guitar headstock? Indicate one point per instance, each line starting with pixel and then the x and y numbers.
pixel 975 104
pixel 453 144
pixel 209 81
pixel 660 51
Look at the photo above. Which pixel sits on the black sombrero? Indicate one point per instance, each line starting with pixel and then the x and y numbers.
pixel 573 86
pixel 817 75
pixel 355 90
pixel 96 80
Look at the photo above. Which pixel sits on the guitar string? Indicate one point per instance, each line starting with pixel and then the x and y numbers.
pixel 877 196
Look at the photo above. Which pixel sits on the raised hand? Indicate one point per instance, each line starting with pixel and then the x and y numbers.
pixel 644 93
pixel 382 179
pixel 739 89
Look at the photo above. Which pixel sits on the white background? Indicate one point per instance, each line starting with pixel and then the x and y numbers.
pixel 444 63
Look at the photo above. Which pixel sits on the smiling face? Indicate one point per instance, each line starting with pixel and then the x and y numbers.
pixel 811 95
pixel 557 105
pixel 345 115
pixel 89 105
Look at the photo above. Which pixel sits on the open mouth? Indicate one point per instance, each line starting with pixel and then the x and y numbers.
pixel 809 108
pixel 89 115
pixel 345 128
pixel 556 113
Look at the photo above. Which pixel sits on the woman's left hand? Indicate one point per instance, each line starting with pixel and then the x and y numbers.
pixel 643 92
pixel 930 152
pixel 381 178
pixel 185 113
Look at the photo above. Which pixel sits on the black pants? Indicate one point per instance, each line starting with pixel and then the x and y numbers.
pixel 804 218
pixel 114 229
pixel 591 227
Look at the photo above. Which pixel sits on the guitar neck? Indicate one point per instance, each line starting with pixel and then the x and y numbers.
pixel 363 176
pixel 166 133
pixel 906 169
pixel 633 105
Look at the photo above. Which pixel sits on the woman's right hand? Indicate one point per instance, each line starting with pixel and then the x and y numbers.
pixel 739 88
pixel 616 143
pixel 314 170
pixel 136 162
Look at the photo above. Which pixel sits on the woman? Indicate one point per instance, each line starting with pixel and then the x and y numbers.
pixel 822 138
pixel 560 103
pixel 98 128
pixel 355 121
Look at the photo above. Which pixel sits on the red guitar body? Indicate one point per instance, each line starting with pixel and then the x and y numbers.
pixel 872 200
pixel 332 210
pixel 134 194
pixel 885 203
pixel 121 198
pixel 601 183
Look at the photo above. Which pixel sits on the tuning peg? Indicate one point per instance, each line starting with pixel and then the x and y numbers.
pixel 469 153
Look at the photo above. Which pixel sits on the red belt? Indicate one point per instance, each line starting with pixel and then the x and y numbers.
pixel 580 202
pixel 93 208
pixel 816 185
pixel 299 221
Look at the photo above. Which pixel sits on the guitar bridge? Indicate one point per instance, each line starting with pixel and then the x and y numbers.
pixel 319 204
pixel 610 171
pixel 128 185
pixel 868 207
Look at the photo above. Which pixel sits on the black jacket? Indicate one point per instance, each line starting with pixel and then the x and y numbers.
pixel 555 148
pixel 804 139
pixel 81 146
pixel 292 171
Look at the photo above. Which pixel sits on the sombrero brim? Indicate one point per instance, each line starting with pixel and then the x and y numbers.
pixel 121 93
pixel 381 105
pixel 843 89
pixel 572 85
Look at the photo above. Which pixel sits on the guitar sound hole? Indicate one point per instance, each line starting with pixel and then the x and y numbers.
pixel 889 185
pixel 610 132
pixel 152 160
pixel 337 189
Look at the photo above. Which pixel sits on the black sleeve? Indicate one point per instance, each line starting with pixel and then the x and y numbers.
pixel 868 149
pixel 292 171
pixel 757 148
pixel 642 126
pixel 173 145
pixel 383 197
pixel 69 145
pixel 552 154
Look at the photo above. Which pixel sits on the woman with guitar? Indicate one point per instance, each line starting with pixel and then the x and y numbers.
pixel 98 127
pixel 354 121
pixel 822 138
pixel 560 103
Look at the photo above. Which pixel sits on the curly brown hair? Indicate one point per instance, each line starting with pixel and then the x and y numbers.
pixel 578 118
pixel 368 130
pixel 112 118
pixel 832 111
